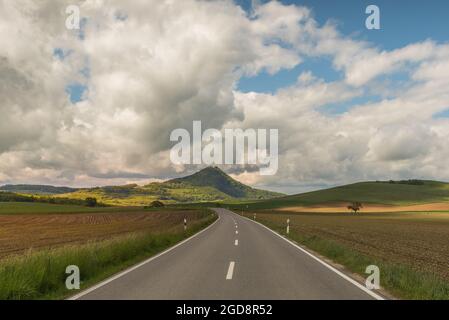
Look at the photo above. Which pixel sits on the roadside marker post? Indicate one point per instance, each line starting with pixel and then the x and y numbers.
pixel 288 226
pixel 185 224
pixel 255 216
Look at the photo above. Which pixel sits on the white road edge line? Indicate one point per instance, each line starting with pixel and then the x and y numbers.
pixel 236 242
pixel 341 274
pixel 121 274
pixel 230 270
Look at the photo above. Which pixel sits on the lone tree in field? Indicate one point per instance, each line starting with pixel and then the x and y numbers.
pixel 355 206
pixel 156 204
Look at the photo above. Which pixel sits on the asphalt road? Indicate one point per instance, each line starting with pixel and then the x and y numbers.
pixel 235 258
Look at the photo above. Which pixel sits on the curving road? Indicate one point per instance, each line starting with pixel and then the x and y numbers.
pixel 235 258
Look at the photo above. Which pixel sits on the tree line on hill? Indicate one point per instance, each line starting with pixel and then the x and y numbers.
pixel 14 197
pixel 414 182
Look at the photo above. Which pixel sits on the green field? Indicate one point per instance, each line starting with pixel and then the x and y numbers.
pixel 366 192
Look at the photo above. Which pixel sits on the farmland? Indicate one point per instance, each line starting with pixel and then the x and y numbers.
pixel 57 225
pixel 383 193
pixel 20 208
pixel 403 227
pixel 416 241
pixel 38 241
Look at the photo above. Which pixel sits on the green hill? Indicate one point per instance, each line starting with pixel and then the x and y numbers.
pixel 381 192
pixel 216 178
pixel 208 185
pixel 35 189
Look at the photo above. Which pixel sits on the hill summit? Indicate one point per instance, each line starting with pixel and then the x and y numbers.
pixel 215 177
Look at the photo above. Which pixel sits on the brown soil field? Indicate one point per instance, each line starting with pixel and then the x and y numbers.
pixel 418 240
pixel 19 233
pixel 370 208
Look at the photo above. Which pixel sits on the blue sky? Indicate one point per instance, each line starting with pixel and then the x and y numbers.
pixel 402 22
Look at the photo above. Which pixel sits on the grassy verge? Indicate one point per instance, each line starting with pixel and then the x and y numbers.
pixel 400 280
pixel 41 274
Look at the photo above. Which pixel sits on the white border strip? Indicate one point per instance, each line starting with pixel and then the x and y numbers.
pixel 121 274
pixel 341 274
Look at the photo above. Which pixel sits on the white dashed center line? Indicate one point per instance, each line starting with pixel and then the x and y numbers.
pixel 236 242
pixel 236 232
pixel 230 270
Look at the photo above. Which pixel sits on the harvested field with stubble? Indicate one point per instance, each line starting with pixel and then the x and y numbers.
pixel 416 240
pixel 19 233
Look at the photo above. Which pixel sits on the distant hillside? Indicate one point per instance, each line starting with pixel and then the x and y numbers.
pixel 381 192
pixel 36 189
pixel 207 185
pixel 216 178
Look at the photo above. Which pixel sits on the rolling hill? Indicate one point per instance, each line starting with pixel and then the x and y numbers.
pixel 405 192
pixel 208 185
pixel 212 184
pixel 36 189
pixel 216 178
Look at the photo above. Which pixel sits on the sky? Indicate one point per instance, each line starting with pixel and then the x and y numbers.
pixel 96 106
pixel 402 22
